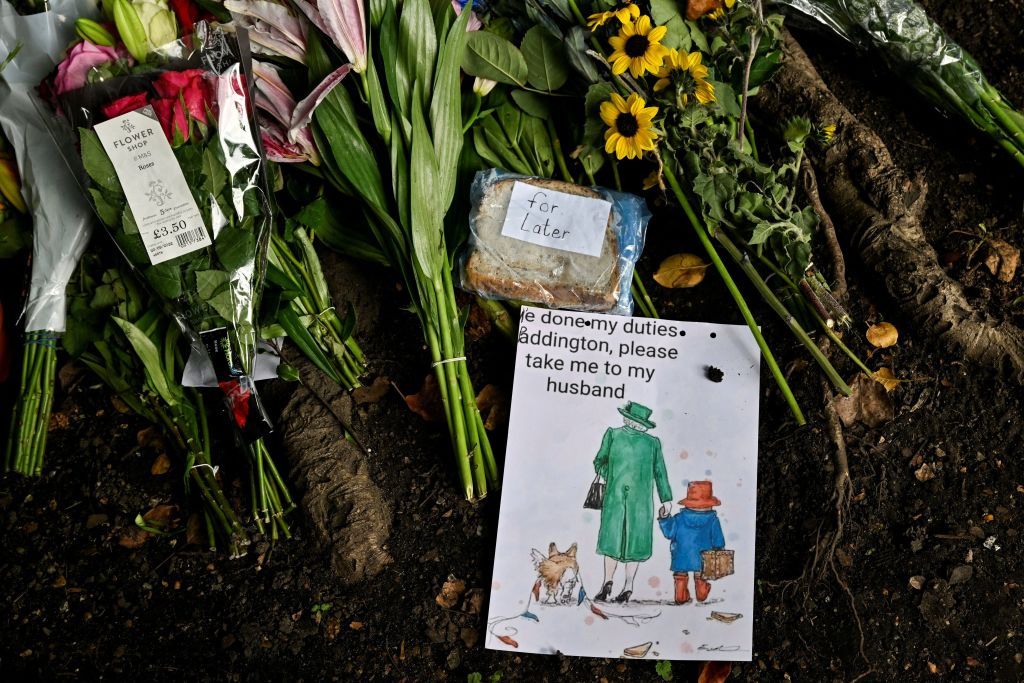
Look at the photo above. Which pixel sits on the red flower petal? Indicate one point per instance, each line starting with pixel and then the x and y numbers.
pixel 595 610
pixel 508 641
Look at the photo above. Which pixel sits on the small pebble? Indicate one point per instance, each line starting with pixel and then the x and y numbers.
pixel 917 582
pixel 962 573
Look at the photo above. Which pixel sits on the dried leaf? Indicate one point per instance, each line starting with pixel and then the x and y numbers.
pixel 725 617
pixel 451 592
pixel 598 612
pixel 149 437
pixel 695 9
pixel 868 402
pixel 133 537
pixel 680 271
pixel 883 335
pixel 195 534
pixel 1002 260
pixel 715 672
pixel 493 405
pixel 885 377
pixel 427 401
pixel 478 325
pixel 373 393
pixel 536 590
pixel 638 650
pixel 508 641
pixel 161 465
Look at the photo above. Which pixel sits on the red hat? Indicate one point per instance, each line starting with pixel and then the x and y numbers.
pixel 699 496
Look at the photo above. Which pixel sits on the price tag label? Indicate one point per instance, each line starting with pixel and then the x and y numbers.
pixel 559 220
pixel 165 212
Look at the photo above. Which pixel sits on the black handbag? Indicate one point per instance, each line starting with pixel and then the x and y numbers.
pixel 595 496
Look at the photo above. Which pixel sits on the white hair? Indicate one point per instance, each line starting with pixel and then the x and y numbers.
pixel 633 424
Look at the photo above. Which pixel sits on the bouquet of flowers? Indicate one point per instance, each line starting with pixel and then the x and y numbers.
pixel 917 49
pixel 171 161
pixel 30 46
pixel 387 127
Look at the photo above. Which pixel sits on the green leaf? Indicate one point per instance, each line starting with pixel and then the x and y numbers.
pixel 235 247
pixel 108 212
pixel 666 13
pixel 490 56
pixel 593 126
pixel 97 163
pixel 165 279
pixel 532 103
pixel 417 40
pixel 762 231
pixel 225 303
pixel 545 61
pixel 716 191
pixel 446 110
pixel 215 176
pixel 426 228
pixel 150 357
pixel 300 336
pixel 209 282
pixel 576 48
pixel 764 67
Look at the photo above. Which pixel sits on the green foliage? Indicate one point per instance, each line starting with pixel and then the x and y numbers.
pixel 664 669
pixel 545 60
pixel 490 56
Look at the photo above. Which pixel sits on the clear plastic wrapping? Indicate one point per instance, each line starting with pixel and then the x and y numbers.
pixel 61 218
pixel 170 158
pixel 552 243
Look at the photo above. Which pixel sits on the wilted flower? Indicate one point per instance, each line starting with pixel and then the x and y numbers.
pixel 73 72
pixel 344 21
pixel 273 28
pixel 625 13
pixel 144 25
pixel 276 105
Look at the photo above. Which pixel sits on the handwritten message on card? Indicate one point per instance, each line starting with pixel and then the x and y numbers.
pixel 558 220
pixel 628 504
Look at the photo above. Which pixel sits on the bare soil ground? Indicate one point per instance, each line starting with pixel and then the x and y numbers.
pixel 77 604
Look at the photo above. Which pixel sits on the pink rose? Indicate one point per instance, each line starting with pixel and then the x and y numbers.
pixel 125 104
pixel 81 59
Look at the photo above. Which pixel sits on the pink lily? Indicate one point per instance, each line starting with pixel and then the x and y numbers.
pixel 273 28
pixel 344 21
pixel 276 105
pixel 474 21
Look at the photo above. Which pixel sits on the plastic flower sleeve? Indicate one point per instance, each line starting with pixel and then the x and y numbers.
pixel 553 243
pixel 171 161
pixel 62 220
pixel 919 51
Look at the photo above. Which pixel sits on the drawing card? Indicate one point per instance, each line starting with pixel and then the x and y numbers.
pixel 628 504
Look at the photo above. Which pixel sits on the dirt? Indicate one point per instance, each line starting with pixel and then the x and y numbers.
pixel 929 580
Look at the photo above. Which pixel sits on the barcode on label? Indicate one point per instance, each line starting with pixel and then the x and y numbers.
pixel 186 238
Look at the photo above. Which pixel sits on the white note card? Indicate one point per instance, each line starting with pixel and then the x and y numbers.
pixel 557 220
pixel 627 519
pixel 165 212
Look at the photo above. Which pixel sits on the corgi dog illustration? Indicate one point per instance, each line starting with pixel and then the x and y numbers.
pixel 558 572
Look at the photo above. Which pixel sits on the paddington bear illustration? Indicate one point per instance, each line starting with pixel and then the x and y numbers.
pixel 692 530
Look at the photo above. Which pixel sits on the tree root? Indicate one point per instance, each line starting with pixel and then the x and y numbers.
pixel 879 209
pixel 345 507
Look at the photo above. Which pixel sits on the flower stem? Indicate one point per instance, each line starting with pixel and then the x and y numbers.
pixel 730 285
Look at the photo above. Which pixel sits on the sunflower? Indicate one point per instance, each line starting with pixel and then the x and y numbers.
pixel 691 77
pixel 625 13
pixel 637 48
pixel 827 133
pixel 630 126
pixel 719 11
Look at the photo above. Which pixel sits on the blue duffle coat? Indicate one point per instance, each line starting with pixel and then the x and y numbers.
pixel 691 532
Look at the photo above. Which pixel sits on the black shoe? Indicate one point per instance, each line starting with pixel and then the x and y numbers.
pixel 606 590
pixel 624 596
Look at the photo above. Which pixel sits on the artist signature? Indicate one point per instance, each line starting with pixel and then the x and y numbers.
pixel 719 648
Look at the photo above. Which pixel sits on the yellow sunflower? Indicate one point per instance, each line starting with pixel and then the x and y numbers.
pixel 625 13
pixel 637 48
pixel 827 133
pixel 691 77
pixel 630 126
pixel 719 12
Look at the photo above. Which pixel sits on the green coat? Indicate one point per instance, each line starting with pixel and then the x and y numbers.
pixel 631 464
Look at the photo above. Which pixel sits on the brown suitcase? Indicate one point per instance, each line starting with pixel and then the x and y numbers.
pixel 716 563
